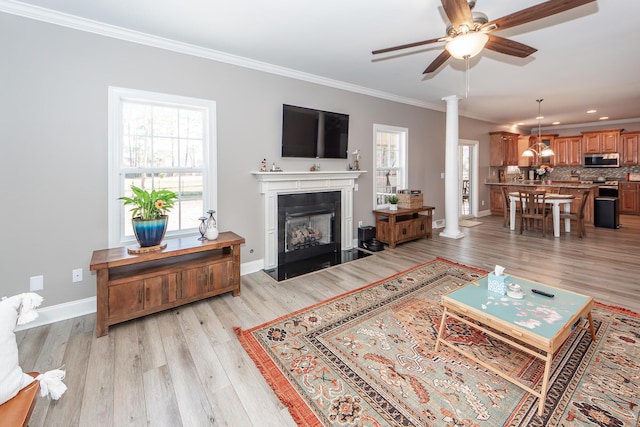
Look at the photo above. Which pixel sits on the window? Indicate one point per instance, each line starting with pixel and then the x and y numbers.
pixel 159 141
pixel 391 161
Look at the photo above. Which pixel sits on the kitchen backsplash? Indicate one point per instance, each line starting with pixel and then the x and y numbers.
pixel 563 173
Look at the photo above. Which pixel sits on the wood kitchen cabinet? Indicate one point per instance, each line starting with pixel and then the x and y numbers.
pixel 130 286
pixel 495 200
pixel 503 149
pixel 629 147
pixel 606 141
pixel 629 198
pixel 568 151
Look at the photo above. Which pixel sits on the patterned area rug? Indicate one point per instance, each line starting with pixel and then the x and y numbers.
pixel 367 358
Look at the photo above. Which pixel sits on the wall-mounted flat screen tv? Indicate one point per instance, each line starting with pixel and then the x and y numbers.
pixel 314 133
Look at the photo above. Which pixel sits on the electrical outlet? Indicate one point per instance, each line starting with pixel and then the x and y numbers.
pixel 76 275
pixel 483 203
pixel 36 283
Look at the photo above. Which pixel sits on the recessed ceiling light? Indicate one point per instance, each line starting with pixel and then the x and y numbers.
pixel 591 111
pixel 604 117
pixel 555 123
pixel 520 123
pixel 539 117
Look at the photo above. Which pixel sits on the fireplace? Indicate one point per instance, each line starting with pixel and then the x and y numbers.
pixel 308 225
pixel 272 185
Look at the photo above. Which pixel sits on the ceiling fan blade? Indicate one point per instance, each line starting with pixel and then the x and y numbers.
pixel 405 46
pixel 509 47
pixel 441 59
pixel 458 12
pixel 534 13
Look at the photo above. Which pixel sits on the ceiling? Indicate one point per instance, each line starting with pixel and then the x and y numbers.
pixel 587 58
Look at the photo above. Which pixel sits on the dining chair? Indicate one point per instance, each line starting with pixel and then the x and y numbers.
pixel 579 215
pixel 506 205
pixel 533 208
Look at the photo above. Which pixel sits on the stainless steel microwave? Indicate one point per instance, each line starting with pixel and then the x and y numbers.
pixel 602 160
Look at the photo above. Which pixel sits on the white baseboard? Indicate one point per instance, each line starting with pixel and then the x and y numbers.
pixel 60 312
pixel 81 307
pixel 251 267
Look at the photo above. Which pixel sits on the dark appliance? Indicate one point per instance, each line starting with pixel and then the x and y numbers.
pixel 367 239
pixel 603 160
pixel 605 212
pixel 310 133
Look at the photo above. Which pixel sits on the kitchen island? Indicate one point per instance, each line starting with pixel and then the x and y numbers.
pixel 573 188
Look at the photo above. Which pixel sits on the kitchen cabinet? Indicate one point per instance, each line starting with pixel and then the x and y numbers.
pixel 568 151
pixel 629 148
pixel 503 149
pixel 495 200
pixel 605 141
pixel 629 198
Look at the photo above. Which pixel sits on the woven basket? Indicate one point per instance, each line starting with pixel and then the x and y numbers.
pixel 410 201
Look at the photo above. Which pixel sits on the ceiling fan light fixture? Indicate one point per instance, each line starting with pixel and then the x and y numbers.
pixel 467 45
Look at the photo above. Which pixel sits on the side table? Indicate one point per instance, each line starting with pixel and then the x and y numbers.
pixel 403 225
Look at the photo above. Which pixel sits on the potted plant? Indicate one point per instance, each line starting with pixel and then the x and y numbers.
pixel 393 202
pixel 149 214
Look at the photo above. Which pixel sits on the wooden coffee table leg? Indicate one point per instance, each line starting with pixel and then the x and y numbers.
pixel 593 333
pixel 441 330
pixel 545 383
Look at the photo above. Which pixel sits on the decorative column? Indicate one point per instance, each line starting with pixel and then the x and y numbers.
pixel 451 174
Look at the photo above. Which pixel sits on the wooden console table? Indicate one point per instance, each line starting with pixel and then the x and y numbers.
pixel 393 227
pixel 132 286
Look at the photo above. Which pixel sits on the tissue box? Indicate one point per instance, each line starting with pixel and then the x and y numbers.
pixel 498 284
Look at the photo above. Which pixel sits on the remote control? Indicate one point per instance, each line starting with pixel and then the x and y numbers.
pixel 543 293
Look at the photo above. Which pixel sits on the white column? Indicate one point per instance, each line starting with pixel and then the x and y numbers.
pixel 451 174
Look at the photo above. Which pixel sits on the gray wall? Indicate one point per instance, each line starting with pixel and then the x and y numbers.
pixel 53 117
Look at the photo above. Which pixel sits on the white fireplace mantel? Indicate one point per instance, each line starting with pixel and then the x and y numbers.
pixel 274 183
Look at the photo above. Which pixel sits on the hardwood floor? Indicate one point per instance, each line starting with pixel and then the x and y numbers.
pixel 186 367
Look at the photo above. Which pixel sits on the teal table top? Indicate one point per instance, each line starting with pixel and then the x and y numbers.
pixel 541 315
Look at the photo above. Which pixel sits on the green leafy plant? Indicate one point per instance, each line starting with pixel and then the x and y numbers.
pixel 393 199
pixel 149 205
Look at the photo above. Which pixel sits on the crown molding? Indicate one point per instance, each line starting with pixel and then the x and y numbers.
pixel 82 24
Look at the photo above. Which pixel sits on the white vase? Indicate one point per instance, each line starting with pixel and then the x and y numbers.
pixel 393 207
pixel 212 232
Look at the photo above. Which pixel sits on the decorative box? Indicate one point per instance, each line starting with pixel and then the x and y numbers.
pixel 499 284
pixel 410 201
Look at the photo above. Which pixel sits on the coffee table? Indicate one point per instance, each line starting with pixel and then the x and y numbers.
pixel 535 324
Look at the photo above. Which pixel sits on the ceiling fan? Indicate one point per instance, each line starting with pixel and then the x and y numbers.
pixel 469 31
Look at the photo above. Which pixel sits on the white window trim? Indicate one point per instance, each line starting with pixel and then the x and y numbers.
pixel 404 155
pixel 116 215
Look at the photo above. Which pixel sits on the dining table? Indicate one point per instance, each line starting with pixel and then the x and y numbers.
pixel 555 200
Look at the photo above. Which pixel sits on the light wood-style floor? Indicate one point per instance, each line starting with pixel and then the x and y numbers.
pixel 186 367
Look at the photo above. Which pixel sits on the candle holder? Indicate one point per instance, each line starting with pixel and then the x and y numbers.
pixel 202 228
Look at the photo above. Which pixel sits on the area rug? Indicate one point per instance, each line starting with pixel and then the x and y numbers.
pixel 468 223
pixel 367 358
